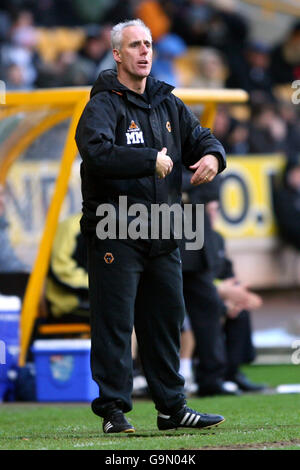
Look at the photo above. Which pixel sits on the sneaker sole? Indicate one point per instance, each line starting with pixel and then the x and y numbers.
pixel 209 426
pixel 213 425
pixel 128 431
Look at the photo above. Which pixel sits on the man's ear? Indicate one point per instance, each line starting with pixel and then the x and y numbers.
pixel 117 55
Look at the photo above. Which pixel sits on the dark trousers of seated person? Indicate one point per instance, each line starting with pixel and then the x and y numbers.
pixel 222 344
pixel 239 346
pixel 205 310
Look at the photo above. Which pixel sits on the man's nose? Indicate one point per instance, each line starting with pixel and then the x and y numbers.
pixel 144 49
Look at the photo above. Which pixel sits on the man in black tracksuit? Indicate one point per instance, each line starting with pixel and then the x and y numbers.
pixel 133 137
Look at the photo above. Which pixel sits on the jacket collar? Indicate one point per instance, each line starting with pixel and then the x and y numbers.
pixel 157 91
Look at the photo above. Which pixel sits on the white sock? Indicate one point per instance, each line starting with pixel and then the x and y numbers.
pixel 185 368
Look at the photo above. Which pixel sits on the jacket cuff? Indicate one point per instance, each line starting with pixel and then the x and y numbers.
pixel 221 160
pixel 152 160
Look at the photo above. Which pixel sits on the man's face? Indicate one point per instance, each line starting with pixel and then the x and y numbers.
pixel 135 56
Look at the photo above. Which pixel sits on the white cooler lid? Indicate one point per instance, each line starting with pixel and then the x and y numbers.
pixel 61 344
pixel 10 303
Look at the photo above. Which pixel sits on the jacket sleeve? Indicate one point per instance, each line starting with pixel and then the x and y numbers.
pixel 95 138
pixel 197 141
pixel 64 268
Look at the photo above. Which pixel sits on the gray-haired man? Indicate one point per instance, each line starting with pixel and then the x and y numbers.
pixel 133 137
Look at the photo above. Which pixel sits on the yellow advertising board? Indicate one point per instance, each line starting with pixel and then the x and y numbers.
pixel 246 209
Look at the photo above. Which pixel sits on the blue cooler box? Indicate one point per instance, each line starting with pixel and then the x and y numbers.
pixel 63 370
pixel 10 308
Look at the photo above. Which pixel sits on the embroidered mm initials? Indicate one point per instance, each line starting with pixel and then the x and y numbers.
pixel 135 137
pixel 134 134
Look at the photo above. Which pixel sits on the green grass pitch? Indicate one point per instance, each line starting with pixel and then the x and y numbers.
pixel 253 421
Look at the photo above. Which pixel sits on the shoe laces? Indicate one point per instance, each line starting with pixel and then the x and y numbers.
pixel 190 410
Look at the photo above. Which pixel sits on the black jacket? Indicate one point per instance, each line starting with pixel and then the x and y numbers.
pixel 205 259
pixel 223 266
pixel 118 137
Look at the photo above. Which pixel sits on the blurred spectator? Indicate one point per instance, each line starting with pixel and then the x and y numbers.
pixel 206 68
pixel 119 11
pixel 212 23
pixel 53 41
pixel 288 113
pixel 5 23
pixel 65 71
pixel 228 29
pixel 167 49
pixel 286 198
pixel 191 21
pixel 232 133
pixel 20 51
pixel 80 68
pixel 96 52
pixel 9 262
pixel 211 69
pixel 285 58
pixel 252 73
pixel 14 77
pixel 268 131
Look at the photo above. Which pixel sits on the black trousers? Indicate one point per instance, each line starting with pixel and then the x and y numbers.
pixel 239 345
pixel 141 291
pixel 222 344
pixel 205 310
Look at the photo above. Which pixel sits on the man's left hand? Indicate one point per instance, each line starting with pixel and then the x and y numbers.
pixel 205 169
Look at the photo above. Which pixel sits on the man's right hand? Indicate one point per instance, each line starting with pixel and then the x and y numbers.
pixel 164 163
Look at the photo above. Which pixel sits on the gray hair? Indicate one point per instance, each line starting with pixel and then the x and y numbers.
pixel 117 31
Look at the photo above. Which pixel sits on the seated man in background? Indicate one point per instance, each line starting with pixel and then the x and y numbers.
pixel 286 199
pixel 216 309
pixel 66 289
pixel 238 302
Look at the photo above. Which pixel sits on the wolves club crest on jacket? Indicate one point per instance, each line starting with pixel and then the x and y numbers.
pixel 134 134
